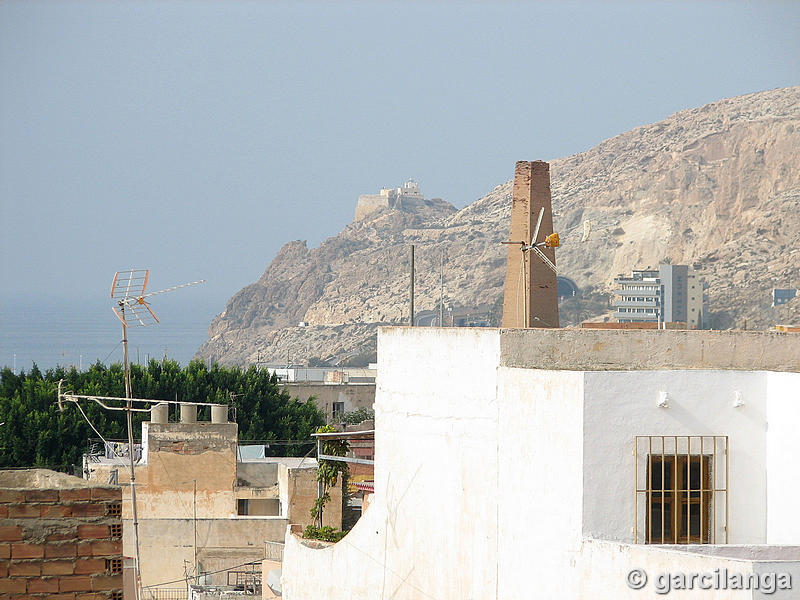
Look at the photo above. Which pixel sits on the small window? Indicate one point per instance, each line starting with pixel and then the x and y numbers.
pixel 258 507
pixel 338 410
pixel 242 507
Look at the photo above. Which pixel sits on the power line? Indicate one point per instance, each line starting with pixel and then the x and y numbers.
pixel 112 351
pixel 107 445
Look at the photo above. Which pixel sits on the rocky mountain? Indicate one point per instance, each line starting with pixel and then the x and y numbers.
pixel 716 186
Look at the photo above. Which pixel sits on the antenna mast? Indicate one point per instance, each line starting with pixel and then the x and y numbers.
pixel 411 290
pixel 441 289
pixel 128 289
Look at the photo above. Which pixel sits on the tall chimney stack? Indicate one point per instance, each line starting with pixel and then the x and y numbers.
pixel 531 289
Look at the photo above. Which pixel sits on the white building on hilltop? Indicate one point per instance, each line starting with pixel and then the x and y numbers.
pixel 571 464
pixel 407 195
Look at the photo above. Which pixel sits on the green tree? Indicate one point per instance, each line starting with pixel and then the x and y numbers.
pixel 36 433
pixel 329 471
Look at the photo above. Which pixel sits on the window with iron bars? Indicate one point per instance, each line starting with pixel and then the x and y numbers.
pixel 681 492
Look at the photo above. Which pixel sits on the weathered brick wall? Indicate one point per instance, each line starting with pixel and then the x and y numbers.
pixel 62 544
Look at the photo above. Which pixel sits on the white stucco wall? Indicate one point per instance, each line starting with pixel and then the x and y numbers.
pixel 438 396
pixel 539 461
pixel 783 471
pixel 430 530
pixel 492 480
pixel 622 404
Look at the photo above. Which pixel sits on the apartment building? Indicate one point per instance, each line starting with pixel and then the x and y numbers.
pixel 670 294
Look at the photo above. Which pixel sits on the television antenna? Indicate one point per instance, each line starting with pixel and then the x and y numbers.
pixel 550 241
pixel 129 289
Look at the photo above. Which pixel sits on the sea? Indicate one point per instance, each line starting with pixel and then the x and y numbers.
pixel 71 332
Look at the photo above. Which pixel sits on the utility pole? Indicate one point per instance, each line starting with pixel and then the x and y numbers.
pixel 441 289
pixel 129 414
pixel 197 575
pixel 411 290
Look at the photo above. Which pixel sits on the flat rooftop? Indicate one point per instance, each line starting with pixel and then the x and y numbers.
pixel 627 350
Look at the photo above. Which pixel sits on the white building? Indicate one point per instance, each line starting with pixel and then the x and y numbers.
pixel 672 293
pixel 518 464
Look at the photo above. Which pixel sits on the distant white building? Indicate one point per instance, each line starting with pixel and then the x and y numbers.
pixel 327 375
pixel 672 293
pixel 573 464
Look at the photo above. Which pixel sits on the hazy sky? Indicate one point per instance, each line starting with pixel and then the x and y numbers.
pixel 195 138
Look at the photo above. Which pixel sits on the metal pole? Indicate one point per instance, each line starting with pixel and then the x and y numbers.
pixel 441 290
pixel 636 489
pixel 526 293
pixel 129 414
pixel 196 573
pixel 411 290
pixel 319 486
pixel 727 485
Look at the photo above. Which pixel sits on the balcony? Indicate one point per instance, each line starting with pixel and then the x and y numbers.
pixel 636 304
pixel 655 291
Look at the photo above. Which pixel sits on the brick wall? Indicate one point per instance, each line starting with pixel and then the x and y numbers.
pixel 61 544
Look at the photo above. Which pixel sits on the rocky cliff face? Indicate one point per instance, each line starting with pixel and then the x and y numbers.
pixel 716 186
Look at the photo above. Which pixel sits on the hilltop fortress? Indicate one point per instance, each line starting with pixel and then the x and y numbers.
pixel 407 196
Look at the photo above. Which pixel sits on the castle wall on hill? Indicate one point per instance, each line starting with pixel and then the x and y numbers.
pixel 408 196
pixel 369 203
